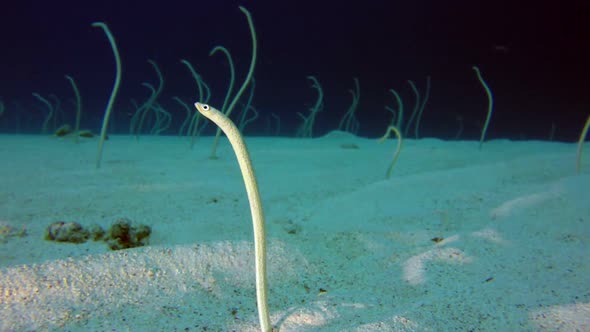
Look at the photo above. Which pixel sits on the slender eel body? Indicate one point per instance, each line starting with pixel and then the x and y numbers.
pixel 235 138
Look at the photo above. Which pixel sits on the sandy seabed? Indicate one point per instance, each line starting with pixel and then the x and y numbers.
pixel 457 239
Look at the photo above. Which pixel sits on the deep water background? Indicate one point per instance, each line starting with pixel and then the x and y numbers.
pixel 532 54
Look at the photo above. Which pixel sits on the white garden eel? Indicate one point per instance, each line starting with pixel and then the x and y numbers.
pixel 237 142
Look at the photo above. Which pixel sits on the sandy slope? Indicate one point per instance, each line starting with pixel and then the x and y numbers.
pixel 349 250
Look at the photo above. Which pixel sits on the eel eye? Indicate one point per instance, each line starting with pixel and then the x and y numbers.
pixel 205 107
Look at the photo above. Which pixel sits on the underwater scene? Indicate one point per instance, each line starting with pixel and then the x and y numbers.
pixel 294 166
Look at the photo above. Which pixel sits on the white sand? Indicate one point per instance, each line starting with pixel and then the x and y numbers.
pixel 514 218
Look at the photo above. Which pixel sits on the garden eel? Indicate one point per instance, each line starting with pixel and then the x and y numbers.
pixel 237 142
